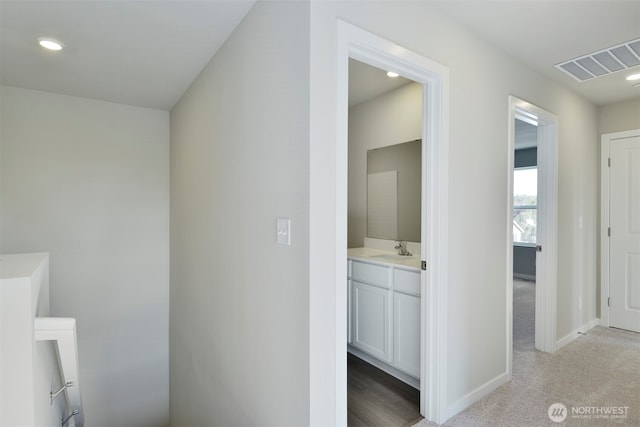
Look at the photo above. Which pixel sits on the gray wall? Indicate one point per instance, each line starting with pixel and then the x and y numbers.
pixel 88 182
pixel 392 118
pixel 240 160
pixel 524 262
pixel 526 157
pixel 620 116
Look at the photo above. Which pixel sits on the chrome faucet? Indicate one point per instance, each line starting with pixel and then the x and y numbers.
pixel 402 248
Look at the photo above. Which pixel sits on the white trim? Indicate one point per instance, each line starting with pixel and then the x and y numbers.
pixel 524 244
pixel 519 168
pixel 605 146
pixel 62 330
pixel 605 141
pixel 366 47
pixel 511 142
pixel 547 260
pixel 576 333
pixel 546 265
pixel 528 277
pixel 385 367
pixel 477 394
pixel 526 117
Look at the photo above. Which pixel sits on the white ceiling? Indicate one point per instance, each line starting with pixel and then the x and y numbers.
pixel 147 53
pixel 143 53
pixel 543 33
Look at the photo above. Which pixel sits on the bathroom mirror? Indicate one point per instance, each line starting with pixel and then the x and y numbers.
pixel 394 175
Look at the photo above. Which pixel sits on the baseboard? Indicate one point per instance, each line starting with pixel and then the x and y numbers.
pixel 576 333
pixel 469 399
pixel 407 379
pixel 527 277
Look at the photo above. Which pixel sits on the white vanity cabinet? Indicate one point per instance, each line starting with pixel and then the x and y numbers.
pixel 384 316
pixel 371 320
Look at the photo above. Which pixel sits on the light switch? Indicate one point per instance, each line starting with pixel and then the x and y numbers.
pixel 283 230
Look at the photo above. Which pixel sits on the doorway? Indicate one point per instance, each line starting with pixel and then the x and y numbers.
pixel 384 207
pixel 545 244
pixel 525 194
pixel 373 50
pixel 620 230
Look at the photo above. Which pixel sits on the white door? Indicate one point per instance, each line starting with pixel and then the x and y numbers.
pixel 624 245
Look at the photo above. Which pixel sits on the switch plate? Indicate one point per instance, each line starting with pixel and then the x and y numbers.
pixel 283 231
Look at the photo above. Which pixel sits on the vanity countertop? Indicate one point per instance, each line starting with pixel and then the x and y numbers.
pixel 383 257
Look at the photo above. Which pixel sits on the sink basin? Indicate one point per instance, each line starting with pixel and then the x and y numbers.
pixel 390 257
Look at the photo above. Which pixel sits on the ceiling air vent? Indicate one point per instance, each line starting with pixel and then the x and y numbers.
pixel 607 61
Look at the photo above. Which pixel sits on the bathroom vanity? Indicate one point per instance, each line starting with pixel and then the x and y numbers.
pixel 384 311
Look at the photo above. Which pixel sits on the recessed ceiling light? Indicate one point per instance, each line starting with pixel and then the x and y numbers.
pixel 49 43
pixel 392 74
pixel 633 77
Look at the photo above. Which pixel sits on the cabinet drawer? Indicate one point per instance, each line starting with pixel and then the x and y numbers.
pixel 406 281
pixel 370 273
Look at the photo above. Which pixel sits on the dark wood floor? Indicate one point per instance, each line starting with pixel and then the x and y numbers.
pixel 375 398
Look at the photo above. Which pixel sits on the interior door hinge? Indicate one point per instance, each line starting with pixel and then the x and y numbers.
pixel 608 301
pixel 423 265
pixel 609 162
pixel 609 231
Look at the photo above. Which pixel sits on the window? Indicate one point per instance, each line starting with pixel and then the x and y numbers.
pixel 525 204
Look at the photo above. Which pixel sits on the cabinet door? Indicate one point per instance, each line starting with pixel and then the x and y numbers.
pixel 371 321
pixel 349 311
pixel 406 333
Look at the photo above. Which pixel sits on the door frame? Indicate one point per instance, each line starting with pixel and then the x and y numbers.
pixel 605 147
pixel 547 231
pixel 366 47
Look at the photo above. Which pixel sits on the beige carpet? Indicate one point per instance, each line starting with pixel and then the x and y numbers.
pixel 595 372
pixel 524 311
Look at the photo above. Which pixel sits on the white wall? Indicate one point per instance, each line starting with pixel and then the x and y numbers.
pixel 481 79
pixel 88 182
pixel 619 117
pixel 239 160
pixel 578 214
pixel 389 119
